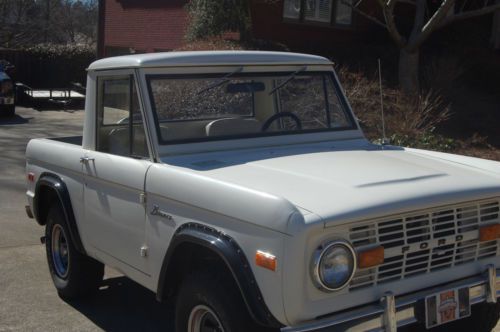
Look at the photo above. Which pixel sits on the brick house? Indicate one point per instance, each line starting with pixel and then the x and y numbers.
pixel 138 26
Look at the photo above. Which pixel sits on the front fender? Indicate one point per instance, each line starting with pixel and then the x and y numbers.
pixel 235 260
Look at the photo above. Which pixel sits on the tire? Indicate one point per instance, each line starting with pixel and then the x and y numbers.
pixel 74 275
pixel 208 298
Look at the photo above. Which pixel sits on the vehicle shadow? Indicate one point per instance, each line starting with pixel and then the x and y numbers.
pixel 13 120
pixel 123 305
pixel 54 105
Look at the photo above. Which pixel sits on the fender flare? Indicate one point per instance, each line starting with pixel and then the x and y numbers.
pixel 57 185
pixel 235 260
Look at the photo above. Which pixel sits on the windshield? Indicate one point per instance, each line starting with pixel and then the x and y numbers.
pixel 197 108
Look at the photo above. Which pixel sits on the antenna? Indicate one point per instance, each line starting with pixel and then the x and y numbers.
pixel 385 141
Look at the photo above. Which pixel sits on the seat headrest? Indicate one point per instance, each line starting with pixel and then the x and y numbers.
pixel 232 126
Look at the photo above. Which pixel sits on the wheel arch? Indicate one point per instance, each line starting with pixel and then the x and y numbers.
pixel 51 188
pixel 207 240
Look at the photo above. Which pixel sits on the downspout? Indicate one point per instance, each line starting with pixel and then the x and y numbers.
pixel 101 29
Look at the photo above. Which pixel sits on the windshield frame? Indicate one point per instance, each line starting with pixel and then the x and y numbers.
pixel 218 75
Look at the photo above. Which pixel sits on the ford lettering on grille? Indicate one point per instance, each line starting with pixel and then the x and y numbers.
pixel 425 241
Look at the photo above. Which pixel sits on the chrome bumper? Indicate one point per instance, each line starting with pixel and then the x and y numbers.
pixel 393 312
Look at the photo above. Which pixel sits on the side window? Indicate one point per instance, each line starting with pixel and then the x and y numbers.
pixel 120 128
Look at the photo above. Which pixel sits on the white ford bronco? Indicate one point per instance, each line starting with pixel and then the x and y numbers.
pixel 240 185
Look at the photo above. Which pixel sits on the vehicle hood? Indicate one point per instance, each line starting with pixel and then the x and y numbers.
pixel 351 180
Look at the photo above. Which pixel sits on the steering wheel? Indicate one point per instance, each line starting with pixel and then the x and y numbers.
pixel 276 116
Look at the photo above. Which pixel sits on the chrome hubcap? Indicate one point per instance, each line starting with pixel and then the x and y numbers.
pixel 203 319
pixel 60 255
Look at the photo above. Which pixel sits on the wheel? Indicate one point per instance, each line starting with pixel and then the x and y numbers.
pixel 74 274
pixel 209 302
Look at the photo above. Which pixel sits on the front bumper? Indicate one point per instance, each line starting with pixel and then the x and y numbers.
pixel 393 312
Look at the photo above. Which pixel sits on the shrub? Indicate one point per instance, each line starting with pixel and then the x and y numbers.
pixel 52 65
pixel 52 51
pixel 220 43
pixel 212 44
pixel 409 120
pixel 210 18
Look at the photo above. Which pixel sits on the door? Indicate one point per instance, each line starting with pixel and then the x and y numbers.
pixel 115 173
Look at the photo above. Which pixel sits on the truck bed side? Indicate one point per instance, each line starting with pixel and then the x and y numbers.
pixel 58 157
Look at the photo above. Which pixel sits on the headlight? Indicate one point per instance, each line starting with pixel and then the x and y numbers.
pixel 334 265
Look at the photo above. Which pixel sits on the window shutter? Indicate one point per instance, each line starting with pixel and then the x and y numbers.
pixel 324 10
pixel 318 10
pixel 310 10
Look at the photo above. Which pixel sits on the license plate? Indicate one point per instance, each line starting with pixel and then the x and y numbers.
pixel 446 307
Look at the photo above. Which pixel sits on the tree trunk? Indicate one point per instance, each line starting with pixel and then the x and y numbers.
pixel 245 29
pixel 408 72
pixel 495 29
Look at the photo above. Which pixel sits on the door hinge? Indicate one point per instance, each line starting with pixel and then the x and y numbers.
pixel 142 198
pixel 144 251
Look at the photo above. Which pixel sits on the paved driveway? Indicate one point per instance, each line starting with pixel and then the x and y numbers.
pixel 28 301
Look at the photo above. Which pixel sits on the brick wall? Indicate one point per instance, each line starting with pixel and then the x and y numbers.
pixel 153 25
pixel 268 23
pixel 143 25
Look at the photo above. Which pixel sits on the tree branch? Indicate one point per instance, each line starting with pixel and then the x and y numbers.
pixel 470 14
pixel 362 13
pixel 432 24
pixel 419 20
pixel 408 2
pixel 388 10
pixel 390 3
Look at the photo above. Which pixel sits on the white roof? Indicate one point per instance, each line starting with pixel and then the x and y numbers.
pixel 209 58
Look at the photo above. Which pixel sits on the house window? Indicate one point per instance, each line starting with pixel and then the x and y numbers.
pixel 343 12
pixel 318 10
pixel 292 9
pixel 336 12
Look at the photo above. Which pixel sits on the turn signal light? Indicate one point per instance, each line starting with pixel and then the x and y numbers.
pixel 372 257
pixel 265 260
pixel 31 177
pixel 489 233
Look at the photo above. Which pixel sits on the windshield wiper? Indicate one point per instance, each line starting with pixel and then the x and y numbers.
pixel 291 77
pixel 219 82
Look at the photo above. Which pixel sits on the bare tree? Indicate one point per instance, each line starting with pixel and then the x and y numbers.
pixel 30 22
pixel 17 22
pixel 427 19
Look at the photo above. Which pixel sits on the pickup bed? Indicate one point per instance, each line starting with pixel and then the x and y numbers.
pixel 240 186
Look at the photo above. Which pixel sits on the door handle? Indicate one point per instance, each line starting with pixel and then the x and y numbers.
pixel 85 160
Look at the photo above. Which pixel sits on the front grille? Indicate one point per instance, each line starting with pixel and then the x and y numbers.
pixel 425 241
